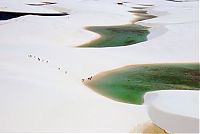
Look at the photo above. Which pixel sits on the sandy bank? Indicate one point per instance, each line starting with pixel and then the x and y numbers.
pixel 176 111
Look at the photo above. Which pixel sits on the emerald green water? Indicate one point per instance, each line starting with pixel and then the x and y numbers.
pixel 112 36
pixel 129 84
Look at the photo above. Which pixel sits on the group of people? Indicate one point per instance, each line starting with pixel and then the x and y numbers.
pixel 39 59
pixel 47 61
pixel 42 60
pixel 89 78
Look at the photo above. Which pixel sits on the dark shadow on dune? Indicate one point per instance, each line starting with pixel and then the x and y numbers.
pixel 38 4
pixel 122 3
pixel 4 15
pixel 146 5
pixel 175 0
pixel 139 7
pixel 41 4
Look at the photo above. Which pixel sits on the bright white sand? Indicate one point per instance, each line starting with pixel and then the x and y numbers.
pixel 177 111
pixel 37 97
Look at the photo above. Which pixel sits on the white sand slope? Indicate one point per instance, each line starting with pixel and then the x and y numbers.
pixel 176 111
pixel 36 96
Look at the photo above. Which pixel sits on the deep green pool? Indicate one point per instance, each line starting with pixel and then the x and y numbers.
pixel 128 84
pixel 112 36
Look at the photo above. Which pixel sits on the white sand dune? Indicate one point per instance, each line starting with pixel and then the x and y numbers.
pixel 38 97
pixel 177 110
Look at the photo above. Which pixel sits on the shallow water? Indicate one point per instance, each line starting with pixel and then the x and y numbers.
pixel 129 84
pixel 122 35
pixel 142 14
pixel 113 36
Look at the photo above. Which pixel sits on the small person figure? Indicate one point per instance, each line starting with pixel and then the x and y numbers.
pixel 59 68
pixel 90 78
pixel 39 59
pixel 47 61
pixel 120 3
pixel 83 80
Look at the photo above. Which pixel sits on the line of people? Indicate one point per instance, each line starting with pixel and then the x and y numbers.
pixel 42 60
pixel 39 59
pixel 59 68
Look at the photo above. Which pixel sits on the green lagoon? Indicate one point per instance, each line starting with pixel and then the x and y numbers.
pixel 113 36
pixel 130 83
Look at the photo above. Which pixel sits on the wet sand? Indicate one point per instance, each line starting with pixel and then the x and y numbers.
pixel 148 128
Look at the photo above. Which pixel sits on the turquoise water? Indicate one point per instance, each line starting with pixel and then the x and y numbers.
pixel 113 36
pixel 129 84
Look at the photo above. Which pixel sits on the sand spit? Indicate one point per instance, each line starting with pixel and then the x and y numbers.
pixel 129 84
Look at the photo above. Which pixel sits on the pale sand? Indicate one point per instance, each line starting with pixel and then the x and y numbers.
pixel 37 97
pixel 148 128
pixel 177 110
